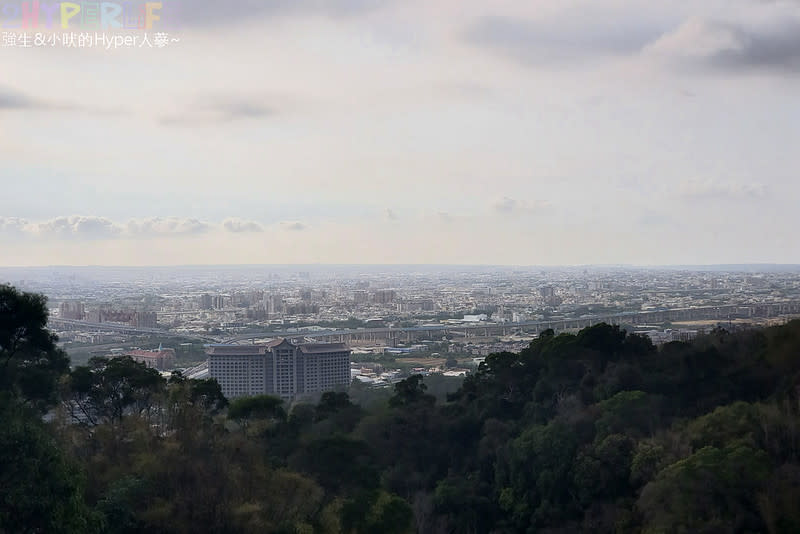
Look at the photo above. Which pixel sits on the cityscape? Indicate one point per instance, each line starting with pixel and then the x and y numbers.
pixel 393 320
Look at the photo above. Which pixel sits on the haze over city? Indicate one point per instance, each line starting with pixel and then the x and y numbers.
pixel 388 132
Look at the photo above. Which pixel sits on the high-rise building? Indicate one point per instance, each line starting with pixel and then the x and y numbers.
pixel 144 320
pixel 205 302
pixel 547 291
pixel 273 305
pixel 137 319
pixel 383 296
pixel 72 309
pixel 279 368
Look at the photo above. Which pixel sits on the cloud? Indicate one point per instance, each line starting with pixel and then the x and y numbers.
pixel 709 189
pixel 765 37
pixel 94 227
pixel 10 100
pixel 212 13
pixel 89 227
pixel 217 110
pixel 571 34
pixel 240 226
pixel 12 225
pixel 735 36
pixel 294 226
pixel 509 206
pixel 160 226
pixel 505 205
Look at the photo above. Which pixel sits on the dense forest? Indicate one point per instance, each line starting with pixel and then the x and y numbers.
pixel 597 431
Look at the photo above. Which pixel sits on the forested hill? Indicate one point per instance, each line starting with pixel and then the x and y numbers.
pixel 594 432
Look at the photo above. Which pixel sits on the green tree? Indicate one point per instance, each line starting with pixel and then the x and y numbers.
pixel 713 490
pixel 628 412
pixel 376 512
pixel 40 489
pixel 261 411
pixel 30 362
pixel 108 389
pixel 411 391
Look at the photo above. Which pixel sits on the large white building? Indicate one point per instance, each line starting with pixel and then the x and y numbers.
pixel 279 368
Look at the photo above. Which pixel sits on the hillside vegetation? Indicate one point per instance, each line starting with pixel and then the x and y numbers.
pixel 593 432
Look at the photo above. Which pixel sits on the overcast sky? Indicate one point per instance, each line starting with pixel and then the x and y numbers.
pixel 412 131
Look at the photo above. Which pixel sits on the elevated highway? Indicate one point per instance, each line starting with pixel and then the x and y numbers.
pixel 55 323
pixel 433 332
pixel 466 331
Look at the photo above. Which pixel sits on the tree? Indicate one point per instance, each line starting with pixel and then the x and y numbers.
pixel 376 512
pixel 339 464
pixel 411 391
pixel 40 490
pixel 332 402
pixel 264 408
pixel 110 388
pixel 631 412
pixel 30 362
pixel 713 490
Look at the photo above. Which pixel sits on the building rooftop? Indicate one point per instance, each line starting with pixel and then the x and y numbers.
pixel 254 350
pixel 236 350
pixel 313 348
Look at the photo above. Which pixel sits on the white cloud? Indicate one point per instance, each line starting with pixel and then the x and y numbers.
pixel 76 226
pixel 696 38
pixel 295 226
pixel 12 225
pixel 159 226
pixel 214 110
pixel 761 36
pixel 509 206
pixel 717 189
pixel 241 226
pixel 95 227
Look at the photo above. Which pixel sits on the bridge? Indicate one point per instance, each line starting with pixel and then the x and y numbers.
pixel 85 326
pixel 432 332
pixel 437 332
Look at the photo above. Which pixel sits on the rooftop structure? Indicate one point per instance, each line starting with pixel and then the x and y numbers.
pixel 161 359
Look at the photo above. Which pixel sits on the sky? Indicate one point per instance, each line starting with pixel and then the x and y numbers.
pixel 519 132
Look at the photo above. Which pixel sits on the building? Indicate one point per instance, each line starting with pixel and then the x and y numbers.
pixel 301 308
pixel 383 296
pixel 72 309
pixel 144 320
pixel 416 305
pixel 161 359
pixel 279 368
pixel 136 319
pixel 547 291
pixel 273 304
